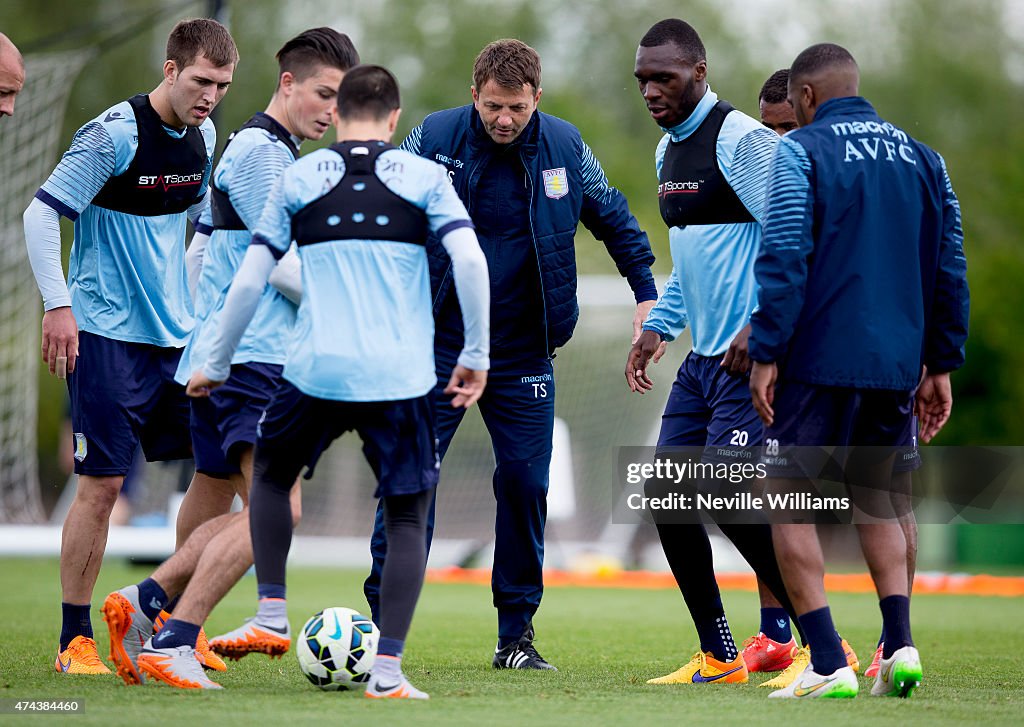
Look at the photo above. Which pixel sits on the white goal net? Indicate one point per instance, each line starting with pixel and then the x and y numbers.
pixel 29 141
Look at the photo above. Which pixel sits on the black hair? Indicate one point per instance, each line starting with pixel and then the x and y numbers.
pixel 818 58
pixel 776 88
pixel 317 46
pixel 679 33
pixel 368 93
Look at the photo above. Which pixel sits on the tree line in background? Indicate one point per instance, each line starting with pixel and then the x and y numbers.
pixel 941 70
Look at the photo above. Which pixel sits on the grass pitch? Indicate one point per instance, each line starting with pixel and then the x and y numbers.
pixel 606 643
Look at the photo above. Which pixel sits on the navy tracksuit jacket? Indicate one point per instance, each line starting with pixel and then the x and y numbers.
pixel 861 276
pixel 526 200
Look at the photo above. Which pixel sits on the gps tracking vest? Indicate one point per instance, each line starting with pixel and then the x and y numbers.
pixel 691 188
pixel 166 174
pixel 360 206
pixel 224 215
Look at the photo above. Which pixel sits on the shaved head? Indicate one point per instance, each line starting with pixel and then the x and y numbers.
pixel 827 64
pixel 12 75
pixel 821 72
pixel 7 46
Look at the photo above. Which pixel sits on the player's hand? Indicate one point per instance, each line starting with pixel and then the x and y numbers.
pixel 467 385
pixel 644 350
pixel 933 405
pixel 737 359
pixel 201 385
pixel 762 390
pixel 642 311
pixel 60 341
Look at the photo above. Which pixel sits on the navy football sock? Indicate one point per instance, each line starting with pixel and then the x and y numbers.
pixel 176 633
pixel 688 551
pixel 152 598
pixel 716 637
pixel 896 624
pixel 775 624
pixel 826 648
pixel 270 590
pixel 75 621
pixel 390 647
pixel 171 603
pixel 756 546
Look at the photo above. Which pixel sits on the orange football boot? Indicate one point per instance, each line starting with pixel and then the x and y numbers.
pixel 176 666
pixel 252 638
pixel 81 657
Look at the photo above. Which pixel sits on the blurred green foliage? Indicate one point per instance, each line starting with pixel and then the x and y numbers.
pixel 950 73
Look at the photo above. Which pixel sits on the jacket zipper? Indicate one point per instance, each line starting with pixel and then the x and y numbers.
pixel 536 252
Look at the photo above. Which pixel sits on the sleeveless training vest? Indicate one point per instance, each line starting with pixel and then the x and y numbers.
pixel 360 206
pixel 224 215
pixel 691 188
pixel 165 176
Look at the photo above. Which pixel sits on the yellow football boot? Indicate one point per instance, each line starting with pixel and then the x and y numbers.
pixel 705 668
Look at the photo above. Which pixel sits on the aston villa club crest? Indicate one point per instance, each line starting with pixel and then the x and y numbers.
pixel 81 446
pixel 556 183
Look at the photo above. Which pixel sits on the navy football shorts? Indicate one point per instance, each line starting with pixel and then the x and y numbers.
pixel 123 394
pixel 811 419
pixel 225 422
pixel 908 459
pixel 399 437
pixel 709 408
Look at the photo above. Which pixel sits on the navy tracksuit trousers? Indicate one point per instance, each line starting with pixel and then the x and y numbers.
pixel 518 409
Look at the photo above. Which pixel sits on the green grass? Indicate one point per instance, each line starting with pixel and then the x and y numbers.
pixel 605 642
